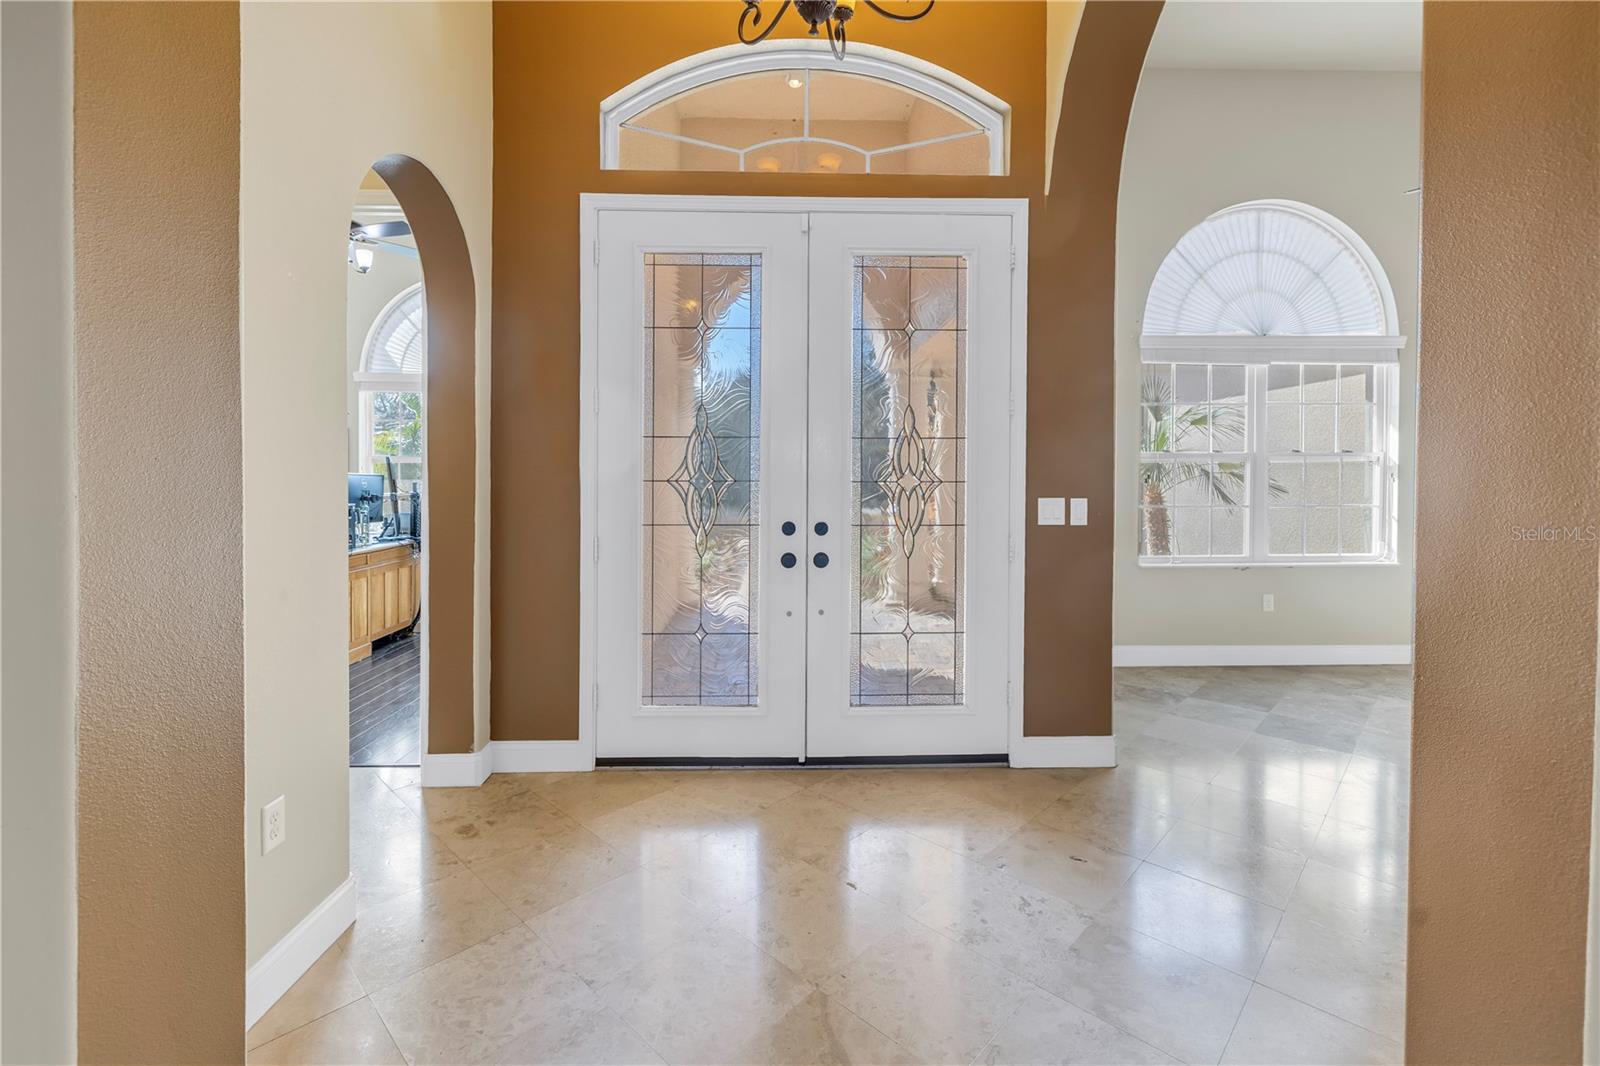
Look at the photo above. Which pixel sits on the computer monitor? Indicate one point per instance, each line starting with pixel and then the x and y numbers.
pixel 372 486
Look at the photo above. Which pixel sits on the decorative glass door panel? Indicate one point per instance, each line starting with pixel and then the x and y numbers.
pixel 802 447
pixel 909 341
pixel 702 466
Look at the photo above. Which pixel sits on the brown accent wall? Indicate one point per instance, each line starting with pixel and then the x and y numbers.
pixel 1503 730
pixel 554 63
pixel 161 956
pixel 448 517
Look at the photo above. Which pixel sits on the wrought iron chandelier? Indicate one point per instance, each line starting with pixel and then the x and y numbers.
pixel 827 17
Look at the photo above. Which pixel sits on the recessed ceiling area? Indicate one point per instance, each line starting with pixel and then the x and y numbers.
pixel 1288 35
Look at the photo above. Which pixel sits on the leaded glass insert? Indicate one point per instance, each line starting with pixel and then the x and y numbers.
pixel 908 433
pixel 701 441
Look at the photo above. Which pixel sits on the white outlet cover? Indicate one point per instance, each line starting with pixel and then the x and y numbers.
pixel 1080 510
pixel 1052 510
pixel 1267 602
pixel 274 825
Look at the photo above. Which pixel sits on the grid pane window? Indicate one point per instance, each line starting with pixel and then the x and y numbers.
pixel 1325 455
pixel 1264 462
pixel 1194 468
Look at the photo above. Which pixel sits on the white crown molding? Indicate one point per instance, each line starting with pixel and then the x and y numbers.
pixel 1261 655
pixel 288 959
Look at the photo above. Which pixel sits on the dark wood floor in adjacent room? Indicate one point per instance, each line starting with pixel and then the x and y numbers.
pixel 385 689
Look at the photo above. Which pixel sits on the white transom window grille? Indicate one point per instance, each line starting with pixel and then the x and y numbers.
pixel 390 383
pixel 1268 395
pixel 793 108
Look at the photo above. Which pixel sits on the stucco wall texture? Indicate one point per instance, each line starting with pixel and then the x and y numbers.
pixel 1503 732
pixel 160 586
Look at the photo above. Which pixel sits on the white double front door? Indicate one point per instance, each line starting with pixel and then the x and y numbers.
pixel 802 482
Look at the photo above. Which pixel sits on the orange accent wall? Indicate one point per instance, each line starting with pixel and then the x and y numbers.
pixel 554 63
pixel 1509 373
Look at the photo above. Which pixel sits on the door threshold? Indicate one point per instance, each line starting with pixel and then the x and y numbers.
pixel 816 762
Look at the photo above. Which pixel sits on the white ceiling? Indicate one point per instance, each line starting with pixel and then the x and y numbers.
pixel 1288 35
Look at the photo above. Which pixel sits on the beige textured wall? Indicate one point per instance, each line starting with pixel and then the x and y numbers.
pixel 160 635
pixel 37 551
pixel 1200 140
pixel 313 123
pixel 1503 732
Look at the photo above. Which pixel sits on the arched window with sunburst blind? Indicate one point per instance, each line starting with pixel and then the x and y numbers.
pixel 1268 394
pixel 390 382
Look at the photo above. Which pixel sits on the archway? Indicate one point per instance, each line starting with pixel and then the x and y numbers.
pixel 447 575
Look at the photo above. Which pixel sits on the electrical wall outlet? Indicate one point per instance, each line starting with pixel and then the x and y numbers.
pixel 274 825
pixel 1266 603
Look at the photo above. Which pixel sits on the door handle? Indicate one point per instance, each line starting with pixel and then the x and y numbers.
pixel 820 560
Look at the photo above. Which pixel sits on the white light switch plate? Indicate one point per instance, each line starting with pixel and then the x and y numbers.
pixel 1052 510
pixel 1080 510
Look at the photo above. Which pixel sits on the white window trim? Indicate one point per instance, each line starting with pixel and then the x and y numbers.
pixel 985 109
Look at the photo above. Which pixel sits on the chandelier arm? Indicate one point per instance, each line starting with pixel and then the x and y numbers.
pixel 900 18
pixel 752 15
pixel 836 38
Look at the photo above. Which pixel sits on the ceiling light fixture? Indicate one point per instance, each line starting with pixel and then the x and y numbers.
pixel 360 257
pixel 821 15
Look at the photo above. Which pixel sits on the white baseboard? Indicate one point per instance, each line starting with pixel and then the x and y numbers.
pixel 1261 655
pixel 506 757
pixel 1063 751
pixel 467 770
pixel 541 756
pixel 289 958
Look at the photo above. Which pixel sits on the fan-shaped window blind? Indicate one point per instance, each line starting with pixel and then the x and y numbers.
pixel 1270 269
pixel 395 345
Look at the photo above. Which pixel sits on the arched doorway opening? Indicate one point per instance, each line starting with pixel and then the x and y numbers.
pixel 412 462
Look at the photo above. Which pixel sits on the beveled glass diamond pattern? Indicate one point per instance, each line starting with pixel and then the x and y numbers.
pixel 701 480
pixel 909 479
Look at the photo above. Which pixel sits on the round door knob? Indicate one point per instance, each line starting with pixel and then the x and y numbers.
pixel 821 528
pixel 788 560
pixel 820 560
pixel 788 529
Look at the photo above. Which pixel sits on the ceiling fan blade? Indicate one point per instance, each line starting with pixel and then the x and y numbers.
pixel 378 230
pixel 391 246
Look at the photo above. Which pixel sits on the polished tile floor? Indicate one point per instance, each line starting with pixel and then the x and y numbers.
pixel 1233 891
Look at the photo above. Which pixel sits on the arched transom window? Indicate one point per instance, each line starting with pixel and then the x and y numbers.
pixel 796 109
pixel 1268 394
pixel 390 382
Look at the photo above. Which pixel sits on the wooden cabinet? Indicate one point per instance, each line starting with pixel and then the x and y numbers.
pixel 385 588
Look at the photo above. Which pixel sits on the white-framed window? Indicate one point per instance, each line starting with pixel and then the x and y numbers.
pixel 791 107
pixel 390 384
pixel 1268 395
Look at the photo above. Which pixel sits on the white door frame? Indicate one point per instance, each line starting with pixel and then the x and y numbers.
pixel 590 206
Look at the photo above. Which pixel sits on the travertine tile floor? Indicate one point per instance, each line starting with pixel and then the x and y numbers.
pixel 1233 891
